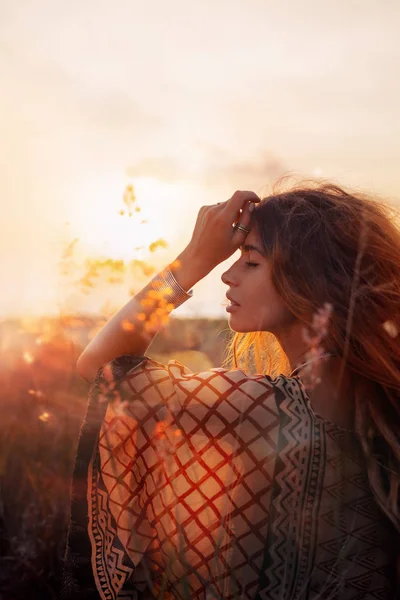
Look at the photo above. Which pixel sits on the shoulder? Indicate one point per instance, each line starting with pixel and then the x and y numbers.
pixel 153 382
pixel 219 378
pixel 151 387
pixel 135 375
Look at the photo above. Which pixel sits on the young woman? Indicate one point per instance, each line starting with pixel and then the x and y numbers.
pixel 278 477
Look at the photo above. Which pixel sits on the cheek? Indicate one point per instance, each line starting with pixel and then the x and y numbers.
pixel 267 308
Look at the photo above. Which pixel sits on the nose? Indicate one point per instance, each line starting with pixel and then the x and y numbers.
pixel 228 277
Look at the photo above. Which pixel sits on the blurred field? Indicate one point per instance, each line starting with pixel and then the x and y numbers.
pixel 42 404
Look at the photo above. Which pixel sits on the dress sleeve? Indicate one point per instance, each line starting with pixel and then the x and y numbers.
pixel 161 427
pixel 136 394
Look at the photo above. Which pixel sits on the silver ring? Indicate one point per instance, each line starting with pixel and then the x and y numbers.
pixel 240 227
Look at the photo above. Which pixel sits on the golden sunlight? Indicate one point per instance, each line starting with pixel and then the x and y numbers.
pixel 124 219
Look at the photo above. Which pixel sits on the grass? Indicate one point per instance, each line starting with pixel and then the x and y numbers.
pixel 42 403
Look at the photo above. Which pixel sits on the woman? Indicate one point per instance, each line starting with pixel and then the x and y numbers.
pixel 226 484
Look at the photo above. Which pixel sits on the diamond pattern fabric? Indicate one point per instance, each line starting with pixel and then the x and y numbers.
pixel 224 485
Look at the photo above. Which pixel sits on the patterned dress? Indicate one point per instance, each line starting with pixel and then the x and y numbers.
pixel 224 485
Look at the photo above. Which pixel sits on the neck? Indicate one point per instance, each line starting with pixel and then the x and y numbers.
pixel 333 397
pixel 295 348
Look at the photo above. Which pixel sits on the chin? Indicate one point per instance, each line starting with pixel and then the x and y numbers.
pixel 240 328
pixel 237 327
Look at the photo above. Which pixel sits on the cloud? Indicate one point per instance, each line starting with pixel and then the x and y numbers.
pixel 246 173
pixel 215 168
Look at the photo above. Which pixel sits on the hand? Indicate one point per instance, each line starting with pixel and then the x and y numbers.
pixel 214 239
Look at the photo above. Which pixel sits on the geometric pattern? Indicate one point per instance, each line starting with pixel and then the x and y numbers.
pixel 225 485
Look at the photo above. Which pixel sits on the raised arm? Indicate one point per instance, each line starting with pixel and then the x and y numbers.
pixel 132 329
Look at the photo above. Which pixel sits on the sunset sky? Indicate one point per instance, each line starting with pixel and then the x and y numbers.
pixel 188 102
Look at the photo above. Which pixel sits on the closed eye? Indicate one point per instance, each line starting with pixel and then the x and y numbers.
pixel 251 264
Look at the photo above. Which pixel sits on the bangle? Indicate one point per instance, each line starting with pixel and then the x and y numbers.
pixel 168 287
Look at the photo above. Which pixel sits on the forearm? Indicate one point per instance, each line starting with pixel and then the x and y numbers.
pixel 133 328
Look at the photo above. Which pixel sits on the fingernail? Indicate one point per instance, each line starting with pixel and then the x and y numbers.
pixel 251 206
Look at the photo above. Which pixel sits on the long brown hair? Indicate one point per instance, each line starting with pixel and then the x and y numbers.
pixel 330 244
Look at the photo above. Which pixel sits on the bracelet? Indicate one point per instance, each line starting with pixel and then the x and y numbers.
pixel 167 286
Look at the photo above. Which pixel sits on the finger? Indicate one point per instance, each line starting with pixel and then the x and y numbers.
pixel 240 233
pixel 244 221
pixel 247 213
pixel 244 216
pixel 240 199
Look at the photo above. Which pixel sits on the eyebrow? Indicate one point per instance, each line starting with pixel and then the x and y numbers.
pixel 247 247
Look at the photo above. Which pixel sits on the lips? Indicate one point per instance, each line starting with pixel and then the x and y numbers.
pixel 232 301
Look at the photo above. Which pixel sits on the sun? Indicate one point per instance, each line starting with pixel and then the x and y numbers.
pixel 103 224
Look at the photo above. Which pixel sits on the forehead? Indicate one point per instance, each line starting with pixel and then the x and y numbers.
pixel 253 243
pixel 253 238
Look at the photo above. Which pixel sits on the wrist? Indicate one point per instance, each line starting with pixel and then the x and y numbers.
pixel 169 293
pixel 188 269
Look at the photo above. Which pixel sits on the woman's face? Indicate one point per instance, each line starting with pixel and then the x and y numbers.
pixel 258 307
